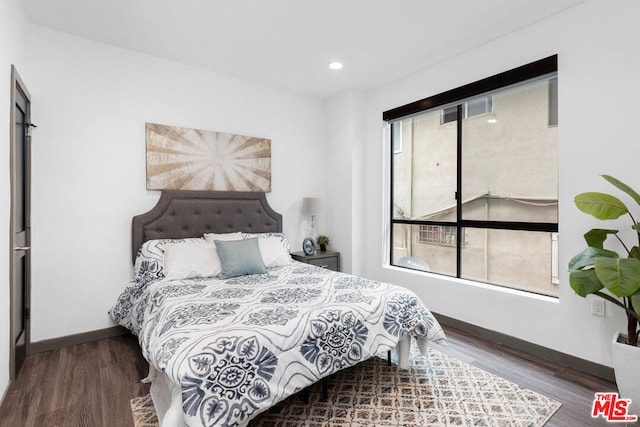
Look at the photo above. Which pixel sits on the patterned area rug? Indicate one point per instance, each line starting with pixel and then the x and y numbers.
pixel 435 391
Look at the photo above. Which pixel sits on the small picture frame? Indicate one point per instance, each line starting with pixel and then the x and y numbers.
pixel 309 246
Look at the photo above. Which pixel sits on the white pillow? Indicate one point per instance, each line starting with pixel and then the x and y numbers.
pixel 225 237
pixel 190 261
pixel 273 253
pixel 281 237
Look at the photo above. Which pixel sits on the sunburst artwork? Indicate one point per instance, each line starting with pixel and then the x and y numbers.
pixel 193 159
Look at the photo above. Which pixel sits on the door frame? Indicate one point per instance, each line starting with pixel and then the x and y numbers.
pixel 18 85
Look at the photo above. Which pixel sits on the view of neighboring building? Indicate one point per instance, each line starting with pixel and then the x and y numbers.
pixel 508 161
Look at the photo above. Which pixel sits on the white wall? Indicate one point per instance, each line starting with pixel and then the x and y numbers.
pixel 90 102
pixel 599 88
pixel 12 32
pixel 345 151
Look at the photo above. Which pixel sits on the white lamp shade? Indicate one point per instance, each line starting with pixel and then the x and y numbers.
pixel 311 206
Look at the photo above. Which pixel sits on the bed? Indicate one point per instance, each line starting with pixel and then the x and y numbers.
pixel 231 325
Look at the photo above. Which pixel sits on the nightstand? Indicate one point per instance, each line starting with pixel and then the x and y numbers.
pixel 326 259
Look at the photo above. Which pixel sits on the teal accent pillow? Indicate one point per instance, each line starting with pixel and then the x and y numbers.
pixel 239 258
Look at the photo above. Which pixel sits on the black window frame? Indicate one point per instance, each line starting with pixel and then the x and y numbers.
pixel 514 76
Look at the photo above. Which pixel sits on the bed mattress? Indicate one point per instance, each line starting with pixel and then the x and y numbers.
pixel 222 351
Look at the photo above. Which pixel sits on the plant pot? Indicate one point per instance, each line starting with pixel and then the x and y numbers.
pixel 626 365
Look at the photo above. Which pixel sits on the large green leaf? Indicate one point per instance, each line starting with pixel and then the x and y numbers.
pixel 600 205
pixel 624 187
pixel 584 282
pixel 588 257
pixel 635 301
pixel 620 275
pixel 596 237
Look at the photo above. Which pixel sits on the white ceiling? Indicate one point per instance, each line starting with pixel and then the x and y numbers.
pixel 289 43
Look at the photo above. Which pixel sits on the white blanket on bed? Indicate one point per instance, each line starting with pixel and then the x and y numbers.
pixel 236 347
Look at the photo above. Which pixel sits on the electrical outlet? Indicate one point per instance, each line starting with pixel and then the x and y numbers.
pixel 597 307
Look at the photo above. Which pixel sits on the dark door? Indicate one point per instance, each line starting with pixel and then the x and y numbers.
pixel 20 220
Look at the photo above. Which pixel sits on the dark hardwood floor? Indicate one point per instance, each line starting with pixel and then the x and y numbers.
pixel 91 384
pixel 83 385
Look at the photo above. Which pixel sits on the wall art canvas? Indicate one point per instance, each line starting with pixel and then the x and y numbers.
pixel 194 159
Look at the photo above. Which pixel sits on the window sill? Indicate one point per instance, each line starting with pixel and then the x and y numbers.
pixel 481 285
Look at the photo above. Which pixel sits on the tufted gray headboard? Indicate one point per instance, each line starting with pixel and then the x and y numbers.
pixel 180 214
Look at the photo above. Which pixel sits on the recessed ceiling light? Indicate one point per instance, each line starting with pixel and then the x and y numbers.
pixel 335 65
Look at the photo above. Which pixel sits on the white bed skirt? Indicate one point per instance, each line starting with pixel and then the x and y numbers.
pixel 167 396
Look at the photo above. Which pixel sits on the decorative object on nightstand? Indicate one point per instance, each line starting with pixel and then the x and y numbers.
pixel 323 242
pixel 312 206
pixel 309 246
pixel 328 259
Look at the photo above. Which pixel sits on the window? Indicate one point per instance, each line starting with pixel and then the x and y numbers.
pixel 553 101
pixel 474 107
pixel 449 114
pixel 477 107
pixel 478 199
pixel 397 138
pixel 438 235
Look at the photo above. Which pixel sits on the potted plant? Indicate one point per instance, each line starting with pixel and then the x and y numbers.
pixel 323 241
pixel 613 276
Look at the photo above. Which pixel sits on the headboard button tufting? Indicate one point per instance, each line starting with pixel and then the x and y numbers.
pixel 181 214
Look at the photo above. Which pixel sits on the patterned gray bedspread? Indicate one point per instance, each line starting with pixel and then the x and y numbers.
pixel 236 347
